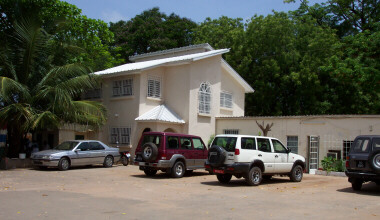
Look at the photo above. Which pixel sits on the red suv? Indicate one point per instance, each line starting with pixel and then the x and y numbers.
pixel 170 152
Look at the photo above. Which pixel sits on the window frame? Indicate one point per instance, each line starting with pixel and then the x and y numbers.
pixel 224 101
pixel 154 91
pixel 122 87
pixel 204 98
pixel 121 136
pixel 292 141
pixel 231 131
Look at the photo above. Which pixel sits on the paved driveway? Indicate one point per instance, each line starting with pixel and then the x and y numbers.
pixel 126 193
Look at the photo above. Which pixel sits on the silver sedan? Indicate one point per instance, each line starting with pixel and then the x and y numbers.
pixel 76 153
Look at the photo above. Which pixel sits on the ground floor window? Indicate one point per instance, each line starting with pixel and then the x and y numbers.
pixel 120 135
pixel 231 131
pixel 346 148
pixel 292 143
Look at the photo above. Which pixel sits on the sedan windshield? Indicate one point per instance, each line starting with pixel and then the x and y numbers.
pixel 67 145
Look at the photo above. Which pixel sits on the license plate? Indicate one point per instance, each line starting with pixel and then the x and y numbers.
pixel 360 164
pixel 219 171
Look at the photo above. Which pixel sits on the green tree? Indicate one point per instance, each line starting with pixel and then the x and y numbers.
pixel 152 31
pixel 222 33
pixel 76 38
pixel 281 57
pixel 34 93
pixel 355 75
pixel 348 17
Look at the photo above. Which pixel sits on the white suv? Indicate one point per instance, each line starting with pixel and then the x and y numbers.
pixel 252 157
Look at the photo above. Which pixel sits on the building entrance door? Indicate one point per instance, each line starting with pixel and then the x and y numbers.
pixel 313 153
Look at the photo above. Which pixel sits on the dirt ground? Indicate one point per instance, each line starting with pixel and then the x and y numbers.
pixel 126 193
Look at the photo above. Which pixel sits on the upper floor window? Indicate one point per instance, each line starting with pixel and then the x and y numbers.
pixel 123 87
pixel 154 87
pixel 204 97
pixel 225 99
pixel 93 94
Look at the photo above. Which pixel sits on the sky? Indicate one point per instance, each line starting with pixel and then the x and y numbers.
pixel 196 10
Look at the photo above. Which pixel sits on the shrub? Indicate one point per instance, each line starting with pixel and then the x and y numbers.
pixel 331 164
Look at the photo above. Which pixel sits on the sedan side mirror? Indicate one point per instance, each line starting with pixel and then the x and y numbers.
pixel 289 150
pixel 76 150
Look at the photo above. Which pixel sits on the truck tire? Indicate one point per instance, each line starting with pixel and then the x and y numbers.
pixel 149 152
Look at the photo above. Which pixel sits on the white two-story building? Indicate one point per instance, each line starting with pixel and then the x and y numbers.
pixel 179 90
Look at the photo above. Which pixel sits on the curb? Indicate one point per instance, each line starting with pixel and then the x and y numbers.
pixel 332 173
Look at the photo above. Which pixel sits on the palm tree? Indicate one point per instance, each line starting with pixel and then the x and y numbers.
pixel 35 94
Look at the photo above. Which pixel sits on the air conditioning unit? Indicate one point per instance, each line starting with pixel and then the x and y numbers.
pixel 332 154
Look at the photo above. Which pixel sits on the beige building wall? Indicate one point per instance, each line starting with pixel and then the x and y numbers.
pixel 332 130
pixel 230 85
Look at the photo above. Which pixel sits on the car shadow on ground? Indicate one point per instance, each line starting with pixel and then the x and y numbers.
pixel 162 175
pixel 369 189
pixel 51 169
pixel 234 182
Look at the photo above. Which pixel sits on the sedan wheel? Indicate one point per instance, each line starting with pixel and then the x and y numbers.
pixel 108 161
pixel 63 164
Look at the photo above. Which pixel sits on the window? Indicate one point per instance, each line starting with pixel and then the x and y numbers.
pixel 263 145
pixel 155 139
pixel 198 145
pixel 83 146
pixel 228 143
pixel 172 142
pixel 96 146
pixel 93 94
pixel 185 143
pixel 278 147
pixel 154 87
pixel 248 143
pixel 123 87
pixel 346 148
pixel 231 131
pixel 225 99
pixel 204 98
pixel 120 135
pixel 376 144
pixel 361 146
pixel 292 143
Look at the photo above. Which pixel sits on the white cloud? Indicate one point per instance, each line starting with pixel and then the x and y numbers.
pixel 112 16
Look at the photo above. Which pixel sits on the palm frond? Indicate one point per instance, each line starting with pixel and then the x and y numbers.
pixel 7 69
pixel 32 40
pixel 18 114
pixel 87 113
pixel 45 120
pixel 62 73
pixel 78 85
pixel 12 91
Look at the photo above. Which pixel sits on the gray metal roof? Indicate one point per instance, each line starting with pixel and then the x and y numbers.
pixel 130 67
pixel 174 50
pixel 161 113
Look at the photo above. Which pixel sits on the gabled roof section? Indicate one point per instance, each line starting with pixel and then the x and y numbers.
pixel 205 46
pixel 237 77
pixel 135 67
pixel 161 113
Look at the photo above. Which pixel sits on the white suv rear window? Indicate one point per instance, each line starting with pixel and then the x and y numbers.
pixel 228 143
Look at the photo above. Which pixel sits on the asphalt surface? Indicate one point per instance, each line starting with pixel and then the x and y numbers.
pixel 126 193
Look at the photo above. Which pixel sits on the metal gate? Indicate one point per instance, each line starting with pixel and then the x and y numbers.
pixel 313 153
